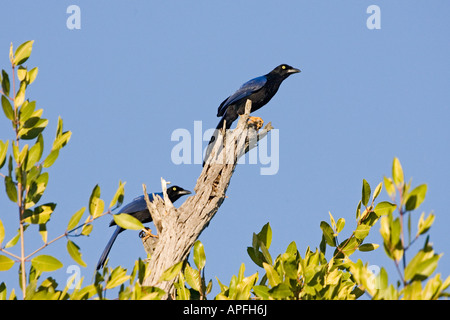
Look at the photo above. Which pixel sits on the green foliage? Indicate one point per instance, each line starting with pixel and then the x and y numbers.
pixel 415 281
pixel 191 282
pixel 25 182
pixel 314 276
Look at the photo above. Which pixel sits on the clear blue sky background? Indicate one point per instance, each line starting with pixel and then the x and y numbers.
pixel 138 70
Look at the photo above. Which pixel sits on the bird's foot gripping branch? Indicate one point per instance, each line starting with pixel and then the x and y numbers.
pixel 178 229
pixel 229 146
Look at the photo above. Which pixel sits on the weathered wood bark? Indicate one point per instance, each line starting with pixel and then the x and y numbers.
pixel 178 229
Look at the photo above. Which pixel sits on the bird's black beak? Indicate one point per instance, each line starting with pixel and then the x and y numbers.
pixel 183 192
pixel 293 70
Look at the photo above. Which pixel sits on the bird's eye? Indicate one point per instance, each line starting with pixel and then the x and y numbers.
pixel 283 67
pixel 174 189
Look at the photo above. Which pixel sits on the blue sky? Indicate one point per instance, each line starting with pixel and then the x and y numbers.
pixel 138 70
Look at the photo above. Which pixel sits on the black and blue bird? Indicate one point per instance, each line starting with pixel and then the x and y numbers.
pixel 138 209
pixel 258 90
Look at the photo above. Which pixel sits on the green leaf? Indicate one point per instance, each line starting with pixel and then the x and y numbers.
pixel 118 276
pixel 261 291
pixel 416 197
pixel 265 235
pixel 3 152
pixel 32 128
pixel 421 266
pixel 368 247
pixel 223 287
pixel 35 153
pixel 43 232
pixel 26 111
pixel 347 247
pixel 384 208
pixel 183 293
pixel 40 214
pixel 7 108
pixel 272 275
pixel 21 73
pixel 75 219
pixel 333 222
pixel 362 231
pixel 193 278
pixel 171 272
pixel 23 52
pixel 340 225
pixel 377 191
pixel 118 196
pixel 240 276
pixel 75 253
pixel 32 74
pixel 397 172
pixel 396 227
pixel 51 158
pixel 23 154
pixel 5 83
pixel 292 249
pixel 425 224
pixel 289 265
pixel 383 280
pixel 11 54
pixel 20 96
pixel 389 185
pixel 365 193
pixel 46 263
pixel 256 256
pixel 244 286
pixel 61 140
pixel 87 229
pixel 281 291
pixel 13 241
pixel 2 233
pixel 5 263
pixel 265 253
pixel 36 190
pixel 96 205
pixel 11 190
pixel 328 233
pixel 127 221
pixel 358 211
pixel 199 255
pixel 59 127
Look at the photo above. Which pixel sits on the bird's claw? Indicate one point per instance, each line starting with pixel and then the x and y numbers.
pixel 147 233
pixel 257 122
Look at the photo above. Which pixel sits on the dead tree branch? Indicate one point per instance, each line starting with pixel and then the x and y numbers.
pixel 178 229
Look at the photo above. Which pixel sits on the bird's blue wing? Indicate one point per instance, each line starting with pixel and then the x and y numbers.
pixel 138 204
pixel 244 91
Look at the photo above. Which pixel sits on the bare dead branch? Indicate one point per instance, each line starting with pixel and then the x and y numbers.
pixel 178 229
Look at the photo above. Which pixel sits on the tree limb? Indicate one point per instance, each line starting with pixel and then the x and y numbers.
pixel 178 229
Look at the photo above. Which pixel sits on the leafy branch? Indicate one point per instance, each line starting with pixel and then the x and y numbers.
pixel 26 181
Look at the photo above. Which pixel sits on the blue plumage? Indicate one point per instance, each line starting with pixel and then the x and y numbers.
pixel 258 90
pixel 138 204
pixel 244 91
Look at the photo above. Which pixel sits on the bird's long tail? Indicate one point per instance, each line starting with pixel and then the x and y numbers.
pixel 108 247
pixel 214 137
